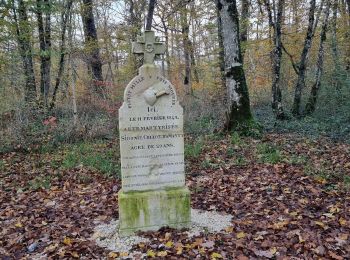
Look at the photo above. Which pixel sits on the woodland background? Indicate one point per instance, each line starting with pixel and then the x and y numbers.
pixel 73 60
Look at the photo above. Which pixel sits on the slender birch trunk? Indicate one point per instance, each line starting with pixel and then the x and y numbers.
pixel 311 104
pixel 303 60
pixel 275 18
pixel 64 18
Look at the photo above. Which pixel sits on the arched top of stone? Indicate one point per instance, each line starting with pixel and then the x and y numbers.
pixel 149 88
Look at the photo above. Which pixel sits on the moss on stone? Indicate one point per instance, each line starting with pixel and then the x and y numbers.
pixel 150 210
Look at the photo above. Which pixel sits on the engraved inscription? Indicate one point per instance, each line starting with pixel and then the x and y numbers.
pixel 151 135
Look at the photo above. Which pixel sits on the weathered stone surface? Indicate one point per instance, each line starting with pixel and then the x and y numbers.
pixel 153 191
pixel 151 133
pixel 151 210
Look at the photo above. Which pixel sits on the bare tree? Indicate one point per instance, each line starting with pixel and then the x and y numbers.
pixel 237 91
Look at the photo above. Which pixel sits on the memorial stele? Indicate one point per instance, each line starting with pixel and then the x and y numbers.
pixel 153 193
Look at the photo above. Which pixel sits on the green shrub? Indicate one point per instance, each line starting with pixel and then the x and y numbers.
pixel 193 150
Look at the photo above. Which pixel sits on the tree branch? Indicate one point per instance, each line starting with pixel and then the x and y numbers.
pixel 295 67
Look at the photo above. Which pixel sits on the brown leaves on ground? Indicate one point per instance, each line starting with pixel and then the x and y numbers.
pixel 289 197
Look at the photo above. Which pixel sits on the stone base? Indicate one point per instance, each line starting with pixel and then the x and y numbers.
pixel 151 210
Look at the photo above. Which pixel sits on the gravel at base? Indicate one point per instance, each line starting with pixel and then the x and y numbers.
pixel 106 235
pixel 208 221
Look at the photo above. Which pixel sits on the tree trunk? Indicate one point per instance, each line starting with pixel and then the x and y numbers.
pixel 334 45
pixel 303 60
pixel 194 59
pixel 24 42
pixel 275 23
pixel 72 68
pixel 347 65
pixel 149 19
pixel 91 45
pixel 43 13
pixel 167 54
pixel 334 33
pixel 311 104
pixel 221 58
pixel 64 18
pixel 193 62
pixel 74 99
pixel 186 47
pixel 136 9
pixel 244 25
pixel 237 91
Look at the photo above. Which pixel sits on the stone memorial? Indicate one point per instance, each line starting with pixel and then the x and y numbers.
pixel 153 193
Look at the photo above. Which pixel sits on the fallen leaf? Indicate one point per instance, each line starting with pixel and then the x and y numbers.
pixel 259 237
pixel 334 209
pixel 113 255
pixel 167 235
pixel 67 241
pixel 342 221
pixel 169 244
pixel 179 250
pixel 229 229
pixel 19 225
pixel 75 254
pixel 215 255
pixel 151 254
pixel 124 254
pixel 141 245
pixel 162 253
pixel 240 235
pixel 321 224
pixel 281 224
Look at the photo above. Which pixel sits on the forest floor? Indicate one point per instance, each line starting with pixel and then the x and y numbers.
pixel 289 197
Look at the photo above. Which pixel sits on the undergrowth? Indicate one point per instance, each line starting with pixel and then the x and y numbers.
pixel 96 156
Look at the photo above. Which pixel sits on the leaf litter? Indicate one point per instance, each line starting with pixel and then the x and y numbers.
pixel 294 205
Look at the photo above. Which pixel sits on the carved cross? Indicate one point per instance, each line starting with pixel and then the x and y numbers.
pixel 148 45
